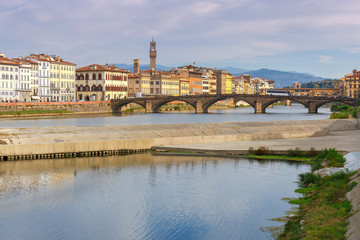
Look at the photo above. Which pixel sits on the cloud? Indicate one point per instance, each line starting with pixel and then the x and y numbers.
pixel 207 30
pixel 325 59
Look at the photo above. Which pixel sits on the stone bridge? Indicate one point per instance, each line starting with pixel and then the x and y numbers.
pixel 201 103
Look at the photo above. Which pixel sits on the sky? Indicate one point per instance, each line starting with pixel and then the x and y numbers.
pixel 320 37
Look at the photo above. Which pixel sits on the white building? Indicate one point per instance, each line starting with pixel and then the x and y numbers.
pixel 9 76
pixel 205 82
pixel 44 76
pixel 22 87
pixel 34 81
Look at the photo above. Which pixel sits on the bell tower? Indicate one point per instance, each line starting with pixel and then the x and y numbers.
pixel 152 54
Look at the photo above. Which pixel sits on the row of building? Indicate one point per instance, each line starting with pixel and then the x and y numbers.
pixel 37 78
pixel 41 77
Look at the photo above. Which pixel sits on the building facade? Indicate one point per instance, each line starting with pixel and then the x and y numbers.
pixel 101 82
pixel 43 62
pixel 9 77
pixel 352 84
pixel 23 86
pixel 62 80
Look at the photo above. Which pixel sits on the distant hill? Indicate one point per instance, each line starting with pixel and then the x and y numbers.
pixel 235 71
pixel 130 67
pixel 283 79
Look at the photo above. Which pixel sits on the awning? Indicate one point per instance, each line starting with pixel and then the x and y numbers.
pixel 35 97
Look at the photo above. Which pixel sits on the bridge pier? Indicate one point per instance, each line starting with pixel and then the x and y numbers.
pixel 199 107
pixel 258 107
pixel 148 107
pixel 287 103
pixel 312 108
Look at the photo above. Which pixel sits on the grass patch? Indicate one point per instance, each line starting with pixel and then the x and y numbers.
pixel 323 209
pixel 279 157
pixel 34 112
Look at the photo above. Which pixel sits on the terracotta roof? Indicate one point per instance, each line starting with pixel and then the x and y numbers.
pixel 8 61
pixel 51 59
pixel 98 67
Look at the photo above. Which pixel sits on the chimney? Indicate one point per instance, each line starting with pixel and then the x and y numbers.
pixel 136 66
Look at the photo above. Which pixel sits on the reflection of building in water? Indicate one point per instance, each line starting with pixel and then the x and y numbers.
pixel 9 183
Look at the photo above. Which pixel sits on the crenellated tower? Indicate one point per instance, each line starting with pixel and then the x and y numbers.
pixel 152 54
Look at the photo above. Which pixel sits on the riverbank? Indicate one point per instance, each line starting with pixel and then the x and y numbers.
pixel 53 140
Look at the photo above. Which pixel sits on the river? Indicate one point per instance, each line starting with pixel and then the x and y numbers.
pixel 144 197
pixel 277 113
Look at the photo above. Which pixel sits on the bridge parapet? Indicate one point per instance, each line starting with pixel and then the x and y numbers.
pixel 201 103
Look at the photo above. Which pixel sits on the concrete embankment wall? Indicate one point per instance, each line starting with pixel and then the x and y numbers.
pixel 51 140
pixel 75 107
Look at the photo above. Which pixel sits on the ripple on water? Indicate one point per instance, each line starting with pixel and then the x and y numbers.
pixel 116 198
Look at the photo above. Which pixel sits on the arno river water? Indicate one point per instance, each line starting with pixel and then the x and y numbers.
pixel 278 113
pixel 145 196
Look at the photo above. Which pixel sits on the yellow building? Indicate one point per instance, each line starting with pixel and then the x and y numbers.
pixel 183 87
pixel 139 84
pixel 101 82
pixel 62 80
pixel 170 85
pixel 228 86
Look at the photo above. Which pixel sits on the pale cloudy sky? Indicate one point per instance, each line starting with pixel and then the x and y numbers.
pixel 321 37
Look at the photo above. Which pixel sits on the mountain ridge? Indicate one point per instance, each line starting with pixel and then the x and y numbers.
pixel 281 78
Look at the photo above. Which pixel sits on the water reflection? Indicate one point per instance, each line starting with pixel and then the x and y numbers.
pixel 143 197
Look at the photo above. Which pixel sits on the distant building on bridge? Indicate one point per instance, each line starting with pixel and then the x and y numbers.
pixel 312 92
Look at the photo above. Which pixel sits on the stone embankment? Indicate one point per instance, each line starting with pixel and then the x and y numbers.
pixel 74 107
pixel 26 143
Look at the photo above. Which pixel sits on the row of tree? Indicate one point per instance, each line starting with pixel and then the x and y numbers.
pixel 327 83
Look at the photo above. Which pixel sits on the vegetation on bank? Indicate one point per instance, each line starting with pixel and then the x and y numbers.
pixel 340 111
pixel 18 113
pixel 296 154
pixel 327 83
pixel 323 209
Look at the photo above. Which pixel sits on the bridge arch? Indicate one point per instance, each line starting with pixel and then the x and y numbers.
pixel 211 102
pixel 156 106
pixel 117 107
pixel 343 101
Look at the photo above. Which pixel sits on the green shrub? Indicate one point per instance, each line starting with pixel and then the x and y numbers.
pixel 305 179
pixel 311 153
pixel 262 151
pixel 316 165
pixel 332 157
pixel 251 150
pixel 297 152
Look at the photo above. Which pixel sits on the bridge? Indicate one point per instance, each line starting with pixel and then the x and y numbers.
pixel 202 103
